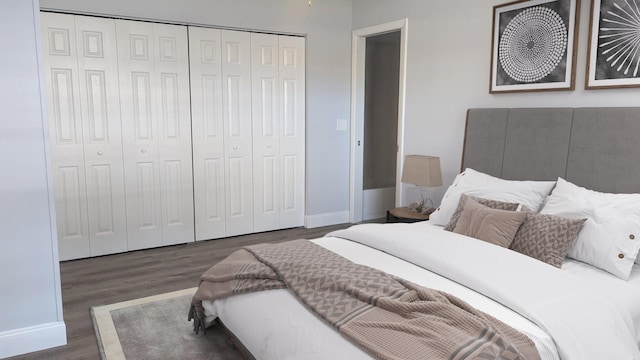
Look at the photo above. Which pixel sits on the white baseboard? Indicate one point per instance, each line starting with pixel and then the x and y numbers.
pixel 376 202
pixel 32 338
pixel 374 215
pixel 326 219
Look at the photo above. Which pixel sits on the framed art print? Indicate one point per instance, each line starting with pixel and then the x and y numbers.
pixel 533 45
pixel 614 44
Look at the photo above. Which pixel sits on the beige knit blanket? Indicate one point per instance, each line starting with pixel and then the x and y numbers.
pixel 389 317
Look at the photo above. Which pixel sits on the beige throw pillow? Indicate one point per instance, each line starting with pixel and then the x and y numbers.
pixel 494 204
pixel 495 226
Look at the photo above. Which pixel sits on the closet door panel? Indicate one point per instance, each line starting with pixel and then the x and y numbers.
pixel 207 132
pixel 266 97
pixel 174 132
pixel 154 80
pixel 67 152
pixel 292 130
pixel 278 131
pixel 236 82
pixel 290 175
pixel 100 109
pixel 71 210
pixel 140 133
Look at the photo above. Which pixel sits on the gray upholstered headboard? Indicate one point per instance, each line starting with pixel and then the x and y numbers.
pixel 598 148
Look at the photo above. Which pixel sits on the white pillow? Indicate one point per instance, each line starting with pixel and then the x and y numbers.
pixel 610 238
pixel 528 193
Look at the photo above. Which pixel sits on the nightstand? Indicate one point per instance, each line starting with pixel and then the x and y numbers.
pixel 404 215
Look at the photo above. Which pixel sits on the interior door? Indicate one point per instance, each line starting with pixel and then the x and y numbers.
pixel 153 62
pixel 238 150
pixel 267 163
pixel 358 137
pixel 65 126
pixel 174 133
pixel 138 84
pixel 292 64
pixel 100 112
pixel 84 110
pixel 278 130
pixel 207 132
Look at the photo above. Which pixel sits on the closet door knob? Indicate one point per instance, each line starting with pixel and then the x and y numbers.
pixel 235 147
pixel 143 151
pixel 268 146
pixel 100 153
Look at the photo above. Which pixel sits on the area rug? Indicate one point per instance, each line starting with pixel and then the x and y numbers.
pixel 156 328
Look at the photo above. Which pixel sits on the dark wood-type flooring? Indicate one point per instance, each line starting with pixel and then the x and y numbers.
pixel 114 278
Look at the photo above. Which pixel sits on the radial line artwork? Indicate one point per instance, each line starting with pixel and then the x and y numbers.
pixel 620 40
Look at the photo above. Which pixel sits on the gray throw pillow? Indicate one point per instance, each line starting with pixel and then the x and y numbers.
pixel 547 237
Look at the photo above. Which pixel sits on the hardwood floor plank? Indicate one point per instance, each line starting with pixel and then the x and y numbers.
pixel 114 278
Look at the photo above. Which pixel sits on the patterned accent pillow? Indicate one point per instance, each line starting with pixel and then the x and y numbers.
pixel 494 226
pixel 546 237
pixel 493 204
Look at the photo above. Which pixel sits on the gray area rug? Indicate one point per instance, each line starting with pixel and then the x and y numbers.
pixel 156 328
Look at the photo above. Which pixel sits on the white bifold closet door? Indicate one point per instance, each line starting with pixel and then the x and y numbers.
pixel 154 92
pixel 207 126
pixel 81 72
pixel 236 109
pixel 128 99
pixel 222 138
pixel 248 122
pixel 278 105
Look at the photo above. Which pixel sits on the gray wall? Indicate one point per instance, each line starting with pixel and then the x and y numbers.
pixel 448 71
pixel 30 300
pixel 327 25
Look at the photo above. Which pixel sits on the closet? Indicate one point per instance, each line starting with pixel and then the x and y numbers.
pixel 248 103
pixel 278 110
pixel 222 158
pixel 81 75
pixel 153 67
pixel 164 134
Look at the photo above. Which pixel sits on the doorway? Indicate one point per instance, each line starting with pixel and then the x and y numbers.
pixel 377 117
pixel 382 73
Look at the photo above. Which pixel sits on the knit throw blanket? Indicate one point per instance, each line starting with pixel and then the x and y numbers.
pixel 389 317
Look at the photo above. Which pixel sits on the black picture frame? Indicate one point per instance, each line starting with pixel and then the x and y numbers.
pixel 614 51
pixel 533 46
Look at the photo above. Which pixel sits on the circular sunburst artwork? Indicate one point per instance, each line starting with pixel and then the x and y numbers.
pixel 619 37
pixel 533 44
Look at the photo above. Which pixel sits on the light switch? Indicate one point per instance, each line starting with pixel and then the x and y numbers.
pixel 342 124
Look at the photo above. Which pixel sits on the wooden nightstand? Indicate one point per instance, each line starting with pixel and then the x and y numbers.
pixel 404 215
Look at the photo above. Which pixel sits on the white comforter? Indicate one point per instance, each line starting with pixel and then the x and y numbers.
pixel 584 322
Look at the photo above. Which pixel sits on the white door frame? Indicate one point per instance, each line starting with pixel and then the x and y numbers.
pixel 358 54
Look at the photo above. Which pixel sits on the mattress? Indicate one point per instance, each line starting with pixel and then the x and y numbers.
pixel 557 309
pixel 299 334
pixel 626 293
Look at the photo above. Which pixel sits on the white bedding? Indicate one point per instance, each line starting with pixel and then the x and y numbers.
pixel 627 293
pixel 286 330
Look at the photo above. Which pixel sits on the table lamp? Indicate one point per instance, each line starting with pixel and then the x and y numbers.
pixel 422 171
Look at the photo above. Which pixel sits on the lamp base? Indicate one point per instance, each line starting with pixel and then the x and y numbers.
pixel 404 215
pixel 422 207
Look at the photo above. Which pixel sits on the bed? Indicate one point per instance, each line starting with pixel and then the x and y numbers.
pixel 576 167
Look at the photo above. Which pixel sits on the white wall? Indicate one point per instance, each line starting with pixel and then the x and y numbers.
pixel 327 25
pixel 448 71
pixel 30 298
